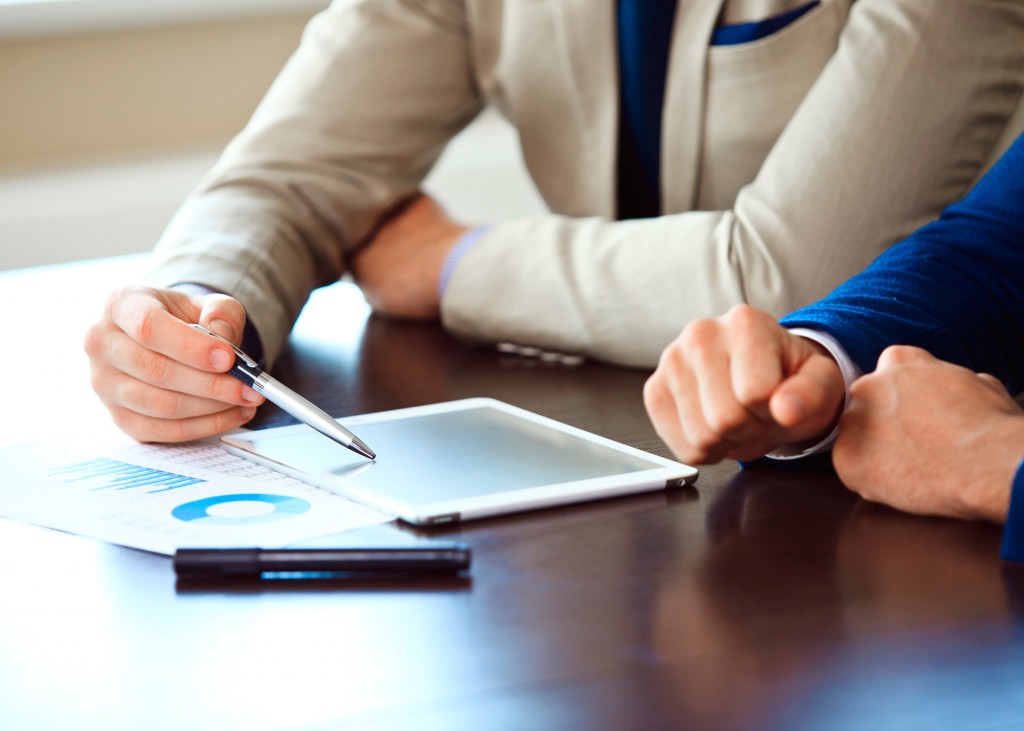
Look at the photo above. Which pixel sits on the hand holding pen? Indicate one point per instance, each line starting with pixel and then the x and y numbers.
pixel 161 380
pixel 248 371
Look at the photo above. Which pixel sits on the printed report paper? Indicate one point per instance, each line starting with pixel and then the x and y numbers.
pixel 163 497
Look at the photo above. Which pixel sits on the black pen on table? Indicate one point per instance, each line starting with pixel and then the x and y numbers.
pixel 248 371
pixel 224 563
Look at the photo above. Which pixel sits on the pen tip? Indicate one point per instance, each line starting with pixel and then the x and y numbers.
pixel 358 445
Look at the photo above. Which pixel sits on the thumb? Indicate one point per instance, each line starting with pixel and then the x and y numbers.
pixel 223 315
pixel 810 400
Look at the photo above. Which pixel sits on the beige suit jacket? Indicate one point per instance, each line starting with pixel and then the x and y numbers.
pixel 788 164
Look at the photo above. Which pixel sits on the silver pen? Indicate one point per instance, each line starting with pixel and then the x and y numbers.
pixel 248 372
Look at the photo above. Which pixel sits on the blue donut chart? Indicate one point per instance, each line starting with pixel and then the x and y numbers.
pixel 197 511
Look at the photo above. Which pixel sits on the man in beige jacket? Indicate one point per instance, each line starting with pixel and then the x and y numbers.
pixel 787 163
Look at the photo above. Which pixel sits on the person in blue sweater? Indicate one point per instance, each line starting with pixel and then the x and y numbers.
pixel 905 371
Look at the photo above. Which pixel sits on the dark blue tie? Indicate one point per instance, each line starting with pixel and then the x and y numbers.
pixel 645 37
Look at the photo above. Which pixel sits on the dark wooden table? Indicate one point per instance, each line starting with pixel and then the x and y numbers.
pixel 762 599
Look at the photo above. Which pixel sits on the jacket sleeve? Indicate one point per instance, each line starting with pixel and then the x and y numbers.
pixel 899 124
pixel 954 287
pixel 351 126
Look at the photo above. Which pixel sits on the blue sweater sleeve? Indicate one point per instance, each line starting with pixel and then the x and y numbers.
pixel 954 287
pixel 1012 548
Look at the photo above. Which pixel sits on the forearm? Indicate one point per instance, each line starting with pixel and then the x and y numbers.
pixel 584 286
pixel 350 128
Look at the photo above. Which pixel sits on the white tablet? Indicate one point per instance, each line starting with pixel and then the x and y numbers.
pixel 462 460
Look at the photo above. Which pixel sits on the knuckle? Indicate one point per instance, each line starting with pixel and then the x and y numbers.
pixel 654 392
pixel 171 431
pixel 897 354
pixel 115 298
pixel 167 433
pixel 228 305
pixel 893 353
pixel 153 367
pixel 166 404
pixel 142 327
pixel 223 307
pixel 131 394
pixel 92 343
pixel 698 333
pixel 672 359
pixel 224 388
pixel 743 316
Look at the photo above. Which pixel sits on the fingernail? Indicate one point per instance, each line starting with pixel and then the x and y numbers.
pixel 248 412
pixel 223 328
pixel 220 359
pixel 251 395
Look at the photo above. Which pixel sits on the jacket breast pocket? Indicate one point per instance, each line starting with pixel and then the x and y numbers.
pixel 772 19
pixel 753 90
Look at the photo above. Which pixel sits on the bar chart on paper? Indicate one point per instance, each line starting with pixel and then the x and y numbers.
pixel 111 474
pixel 160 498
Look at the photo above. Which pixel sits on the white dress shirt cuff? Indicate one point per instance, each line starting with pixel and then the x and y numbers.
pixel 851 372
pixel 466 242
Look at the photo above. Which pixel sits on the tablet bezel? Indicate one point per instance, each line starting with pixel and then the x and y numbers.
pixel 666 474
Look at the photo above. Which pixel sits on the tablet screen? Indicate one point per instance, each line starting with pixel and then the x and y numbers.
pixel 450 455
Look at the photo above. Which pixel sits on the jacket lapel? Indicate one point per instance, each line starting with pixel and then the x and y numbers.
pixel 682 134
